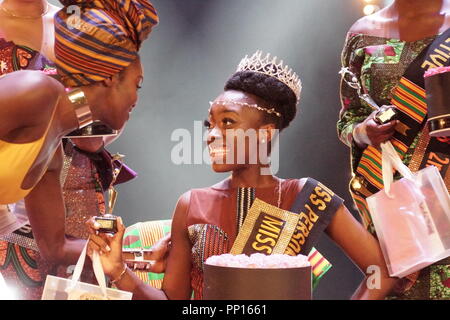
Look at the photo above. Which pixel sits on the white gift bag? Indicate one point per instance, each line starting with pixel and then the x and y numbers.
pixel 411 216
pixel 57 288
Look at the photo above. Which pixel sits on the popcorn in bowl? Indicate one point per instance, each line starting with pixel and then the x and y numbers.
pixel 259 261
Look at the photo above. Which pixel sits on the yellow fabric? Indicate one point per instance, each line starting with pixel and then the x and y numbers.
pixel 16 161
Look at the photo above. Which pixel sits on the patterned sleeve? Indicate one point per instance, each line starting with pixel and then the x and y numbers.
pixel 353 110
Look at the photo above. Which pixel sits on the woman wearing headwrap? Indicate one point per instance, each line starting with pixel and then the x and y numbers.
pixel 26 42
pixel 95 40
pixel 38 111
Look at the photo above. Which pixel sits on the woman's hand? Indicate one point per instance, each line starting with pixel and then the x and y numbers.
pixel 371 133
pixel 154 259
pixel 109 247
pixel 159 253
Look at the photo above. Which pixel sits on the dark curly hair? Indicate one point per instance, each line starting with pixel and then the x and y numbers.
pixel 271 90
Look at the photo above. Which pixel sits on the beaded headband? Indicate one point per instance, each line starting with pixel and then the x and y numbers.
pixel 245 104
pixel 269 66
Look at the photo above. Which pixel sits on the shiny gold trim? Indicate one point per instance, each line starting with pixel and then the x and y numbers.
pixel 68 152
pixel 419 151
pixel 256 209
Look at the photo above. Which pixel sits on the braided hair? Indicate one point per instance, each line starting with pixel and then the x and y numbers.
pixel 271 90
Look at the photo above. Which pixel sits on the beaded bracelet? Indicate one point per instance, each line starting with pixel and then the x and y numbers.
pixel 121 275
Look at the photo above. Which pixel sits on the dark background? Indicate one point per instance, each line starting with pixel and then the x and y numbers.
pixel 195 48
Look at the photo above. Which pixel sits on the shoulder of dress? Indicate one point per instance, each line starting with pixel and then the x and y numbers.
pixel 294 184
pixel 207 190
pixel 195 193
pixel 301 182
pixel 185 198
pixel 367 24
pixel 361 26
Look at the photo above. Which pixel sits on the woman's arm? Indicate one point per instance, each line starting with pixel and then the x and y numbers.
pixel 177 278
pixel 176 284
pixel 356 125
pixel 47 215
pixel 364 250
pixel 352 112
pixel 27 99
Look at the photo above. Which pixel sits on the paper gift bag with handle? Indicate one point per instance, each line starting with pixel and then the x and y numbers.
pixel 72 289
pixel 411 216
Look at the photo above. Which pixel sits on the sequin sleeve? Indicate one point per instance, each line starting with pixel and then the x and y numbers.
pixel 353 111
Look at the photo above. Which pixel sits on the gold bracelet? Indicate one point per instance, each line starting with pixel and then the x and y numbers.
pixel 121 275
pixel 81 107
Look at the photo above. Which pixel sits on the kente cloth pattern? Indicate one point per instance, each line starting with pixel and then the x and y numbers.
pixel 96 39
pixel 217 236
pixel 143 235
pixel 380 64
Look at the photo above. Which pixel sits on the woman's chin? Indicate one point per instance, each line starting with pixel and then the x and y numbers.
pixel 117 124
pixel 222 167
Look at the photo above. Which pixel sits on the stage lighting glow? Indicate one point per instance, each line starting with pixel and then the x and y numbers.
pixel 370 9
pixel 368 1
pixel 6 292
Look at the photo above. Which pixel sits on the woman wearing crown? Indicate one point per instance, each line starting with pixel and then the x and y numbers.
pixel 37 111
pixel 260 97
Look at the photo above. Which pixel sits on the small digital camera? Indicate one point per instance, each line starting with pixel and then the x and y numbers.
pixel 108 224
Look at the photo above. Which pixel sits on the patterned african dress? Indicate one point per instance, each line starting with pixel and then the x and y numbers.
pixel 380 63
pixel 20 262
pixel 216 214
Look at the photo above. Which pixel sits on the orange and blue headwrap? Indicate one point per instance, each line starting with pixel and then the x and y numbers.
pixel 96 39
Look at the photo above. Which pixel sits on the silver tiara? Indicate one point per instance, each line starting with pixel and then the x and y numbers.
pixel 245 104
pixel 269 66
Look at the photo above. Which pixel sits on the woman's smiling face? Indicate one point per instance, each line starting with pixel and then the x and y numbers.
pixel 234 131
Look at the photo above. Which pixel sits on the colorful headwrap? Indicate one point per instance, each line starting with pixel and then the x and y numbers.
pixel 96 39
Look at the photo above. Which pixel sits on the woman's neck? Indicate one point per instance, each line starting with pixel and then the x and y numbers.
pixel 25 8
pixel 67 114
pixel 413 8
pixel 95 95
pixel 409 20
pixel 251 177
